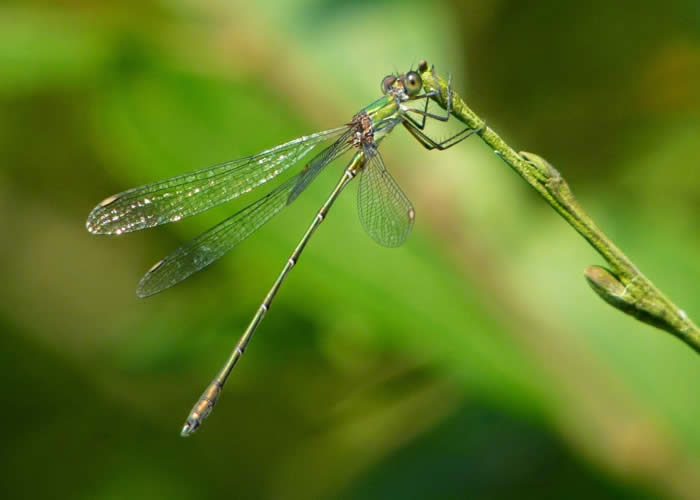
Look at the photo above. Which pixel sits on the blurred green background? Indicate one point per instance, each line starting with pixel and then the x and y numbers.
pixel 473 362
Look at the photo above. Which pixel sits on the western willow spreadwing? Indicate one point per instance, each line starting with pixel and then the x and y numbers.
pixel 384 210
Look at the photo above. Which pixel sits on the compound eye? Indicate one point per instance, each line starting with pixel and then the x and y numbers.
pixel 387 83
pixel 413 83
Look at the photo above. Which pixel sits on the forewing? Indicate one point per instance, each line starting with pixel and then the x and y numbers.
pixel 318 163
pixel 173 199
pixel 385 212
pixel 214 243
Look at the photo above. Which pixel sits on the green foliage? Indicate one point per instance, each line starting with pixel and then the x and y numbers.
pixel 471 362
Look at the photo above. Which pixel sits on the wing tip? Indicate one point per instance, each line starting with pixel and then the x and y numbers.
pixel 95 223
pixel 145 288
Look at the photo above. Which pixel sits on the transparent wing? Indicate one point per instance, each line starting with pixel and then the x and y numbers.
pixel 385 212
pixel 314 167
pixel 214 243
pixel 220 239
pixel 172 199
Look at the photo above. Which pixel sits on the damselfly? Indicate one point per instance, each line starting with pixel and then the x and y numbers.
pixel 384 210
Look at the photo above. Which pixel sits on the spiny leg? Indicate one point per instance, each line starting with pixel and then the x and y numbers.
pixel 416 127
pixel 425 114
pixel 429 143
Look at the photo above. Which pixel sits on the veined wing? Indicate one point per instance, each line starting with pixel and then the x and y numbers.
pixel 173 199
pixel 220 239
pixel 385 212
pixel 214 243
pixel 323 158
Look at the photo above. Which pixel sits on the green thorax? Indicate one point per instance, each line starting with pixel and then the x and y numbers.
pixel 383 109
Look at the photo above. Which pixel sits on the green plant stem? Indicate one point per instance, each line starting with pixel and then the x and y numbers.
pixel 623 286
